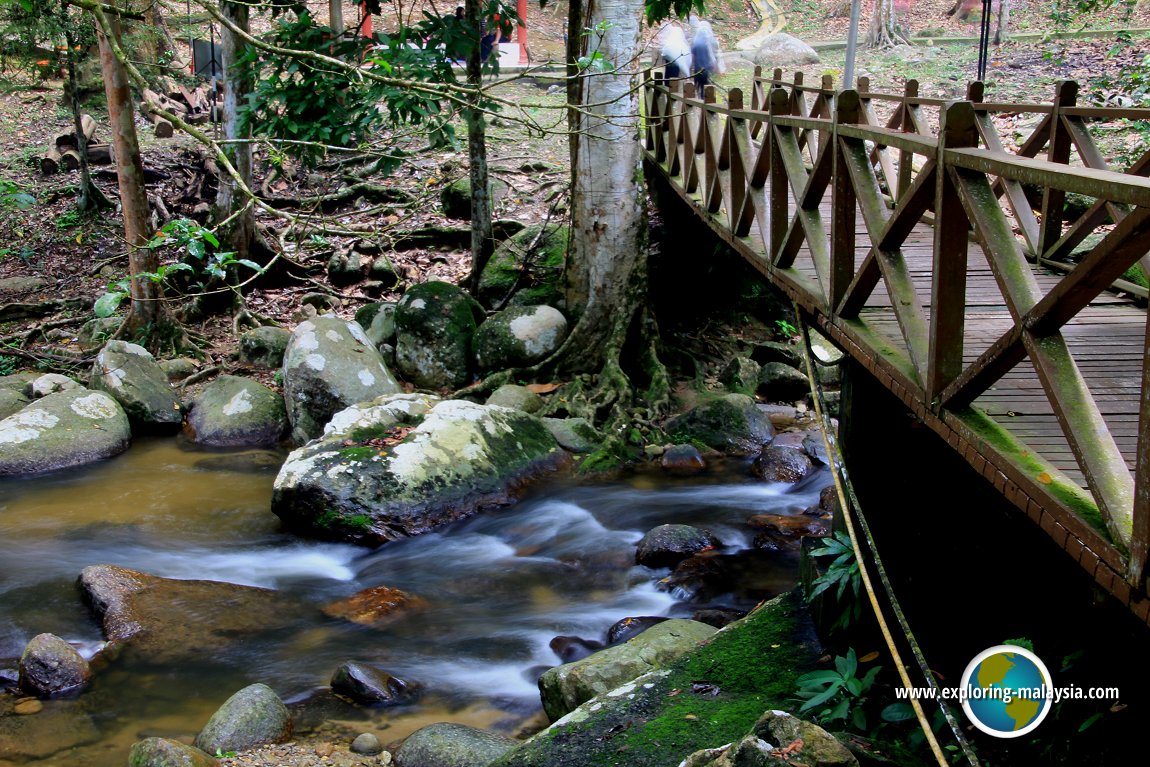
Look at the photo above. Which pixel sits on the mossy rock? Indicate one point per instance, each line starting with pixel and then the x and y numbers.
pixel 456 197
pixel 541 280
pixel 751 666
pixel 434 325
pixel 732 424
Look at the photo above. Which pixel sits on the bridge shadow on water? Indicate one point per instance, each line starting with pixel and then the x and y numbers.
pixel 971 572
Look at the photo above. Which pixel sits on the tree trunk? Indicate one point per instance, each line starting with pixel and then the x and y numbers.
pixel 481 238
pixel 575 11
pixel 90 197
pixel 607 266
pixel 146 312
pixel 883 32
pixel 232 208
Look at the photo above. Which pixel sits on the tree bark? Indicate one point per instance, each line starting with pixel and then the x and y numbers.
pixel 607 266
pixel 481 240
pixel 231 206
pixel 575 11
pixel 883 31
pixel 146 311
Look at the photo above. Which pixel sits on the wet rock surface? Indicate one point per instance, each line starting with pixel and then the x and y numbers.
pixel 667 545
pixel 167 620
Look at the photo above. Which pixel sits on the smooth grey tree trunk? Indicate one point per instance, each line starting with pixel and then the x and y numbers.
pixel 607 265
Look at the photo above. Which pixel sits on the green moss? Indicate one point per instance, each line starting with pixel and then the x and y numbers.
pixel 1136 275
pixel 1005 443
pixel 753 664
pixel 358 453
pixel 539 280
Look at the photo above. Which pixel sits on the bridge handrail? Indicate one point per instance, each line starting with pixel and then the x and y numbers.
pixel 770 190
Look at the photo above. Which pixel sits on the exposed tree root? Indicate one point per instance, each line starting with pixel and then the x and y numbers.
pixel 369 191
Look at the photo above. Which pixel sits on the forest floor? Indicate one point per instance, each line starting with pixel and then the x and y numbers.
pixel 72 255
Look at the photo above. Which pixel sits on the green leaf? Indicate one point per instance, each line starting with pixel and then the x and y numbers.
pixel 818 677
pixel 1090 720
pixel 858 719
pixel 898 712
pixel 848 665
pixel 822 697
pixel 107 304
pixel 839 711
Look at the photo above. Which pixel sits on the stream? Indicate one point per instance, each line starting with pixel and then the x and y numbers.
pixel 498 588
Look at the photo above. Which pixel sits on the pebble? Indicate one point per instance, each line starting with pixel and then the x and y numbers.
pixel 313 754
pixel 28 706
pixel 366 744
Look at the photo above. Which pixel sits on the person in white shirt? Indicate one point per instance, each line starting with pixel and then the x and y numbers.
pixel 674 50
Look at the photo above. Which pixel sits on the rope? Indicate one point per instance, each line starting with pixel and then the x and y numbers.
pixel 848 502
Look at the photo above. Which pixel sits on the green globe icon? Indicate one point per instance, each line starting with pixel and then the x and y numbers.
pixel 1008 691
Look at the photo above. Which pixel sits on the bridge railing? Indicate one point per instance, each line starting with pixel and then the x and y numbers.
pixel 1051 236
pixel 763 177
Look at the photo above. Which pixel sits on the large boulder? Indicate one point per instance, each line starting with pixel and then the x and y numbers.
pixel 12 401
pixel 237 412
pixel 732 424
pixel 131 375
pixel 69 428
pixel 330 364
pixel 177 620
pixel 264 347
pixel 406 464
pixel 253 716
pixel 783 50
pixel 564 687
pixel 50 383
pixel 434 325
pixel 518 337
pixel 779 382
pixel 445 744
pixel 528 267
pixel 162 752
pixel 50 666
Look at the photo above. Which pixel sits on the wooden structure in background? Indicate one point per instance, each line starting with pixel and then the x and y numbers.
pixel 944 265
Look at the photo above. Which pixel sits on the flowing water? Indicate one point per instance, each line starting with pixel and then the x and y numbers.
pixel 498 588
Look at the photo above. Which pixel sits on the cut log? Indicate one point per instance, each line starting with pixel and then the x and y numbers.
pixel 69 160
pixel 154 101
pixel 66 140
pixel 50 162
pixel 100 154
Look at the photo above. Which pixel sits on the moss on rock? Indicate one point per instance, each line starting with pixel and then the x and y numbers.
pixel 537 272
pixel 753 664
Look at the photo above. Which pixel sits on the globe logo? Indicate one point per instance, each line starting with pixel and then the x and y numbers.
pixel 1007 691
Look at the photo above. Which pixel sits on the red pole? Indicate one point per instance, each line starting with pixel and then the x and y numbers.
pixel 521 33
pixel 367 32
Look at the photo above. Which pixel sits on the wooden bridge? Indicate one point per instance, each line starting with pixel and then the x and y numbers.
pixel 1028 352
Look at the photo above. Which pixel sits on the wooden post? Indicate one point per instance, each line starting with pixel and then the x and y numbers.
pixel 780 192
pixel 844 205
pixel 957 129
pixel 1066 95
pixel 906 125
pixel 1140 535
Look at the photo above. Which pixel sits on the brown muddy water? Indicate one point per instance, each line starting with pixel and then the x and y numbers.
pixel 499 587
